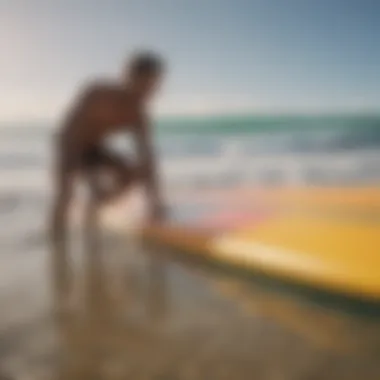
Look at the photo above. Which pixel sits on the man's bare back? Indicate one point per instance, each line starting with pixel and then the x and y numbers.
pixel 103 109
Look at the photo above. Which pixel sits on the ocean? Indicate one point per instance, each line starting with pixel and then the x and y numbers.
pixel 324 150
pixel 270 151
pixel 204 152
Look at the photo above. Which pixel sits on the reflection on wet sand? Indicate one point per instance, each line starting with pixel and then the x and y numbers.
pixel 99 330
pixel 123 311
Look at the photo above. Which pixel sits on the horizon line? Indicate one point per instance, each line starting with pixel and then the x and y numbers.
pixel 274 113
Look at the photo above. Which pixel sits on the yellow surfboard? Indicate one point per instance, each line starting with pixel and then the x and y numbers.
pixel 323 238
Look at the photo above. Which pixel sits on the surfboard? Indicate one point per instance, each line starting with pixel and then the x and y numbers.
pixel 329 241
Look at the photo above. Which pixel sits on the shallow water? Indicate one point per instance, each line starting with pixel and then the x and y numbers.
pixel 112 309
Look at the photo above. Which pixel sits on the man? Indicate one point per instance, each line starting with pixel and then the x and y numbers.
pixel 102 109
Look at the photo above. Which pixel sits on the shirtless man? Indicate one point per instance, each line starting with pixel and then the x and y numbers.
pixel 101 110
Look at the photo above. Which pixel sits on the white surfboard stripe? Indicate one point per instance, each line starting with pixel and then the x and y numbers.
pixel 263 256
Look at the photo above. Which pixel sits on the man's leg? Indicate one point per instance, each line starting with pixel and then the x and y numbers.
pixel 64 180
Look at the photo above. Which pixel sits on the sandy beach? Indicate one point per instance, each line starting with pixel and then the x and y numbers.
pixel 114 309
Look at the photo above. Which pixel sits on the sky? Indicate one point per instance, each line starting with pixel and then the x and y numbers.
pixel 226 56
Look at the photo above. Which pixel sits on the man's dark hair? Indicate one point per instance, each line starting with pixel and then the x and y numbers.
pixel 146 63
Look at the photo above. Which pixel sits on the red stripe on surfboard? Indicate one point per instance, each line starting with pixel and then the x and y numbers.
pixel 232 220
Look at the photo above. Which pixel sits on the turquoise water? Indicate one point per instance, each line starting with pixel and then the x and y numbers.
pixel 274 150
pixel 248 124
pixel 273 134
pixel 321 149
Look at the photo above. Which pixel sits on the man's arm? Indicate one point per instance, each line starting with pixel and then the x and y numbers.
pixel 148 162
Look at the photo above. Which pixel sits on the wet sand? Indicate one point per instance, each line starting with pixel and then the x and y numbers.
pixel 113 309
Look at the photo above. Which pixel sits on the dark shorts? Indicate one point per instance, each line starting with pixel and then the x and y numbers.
pixel 70 164
pixel 96 156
